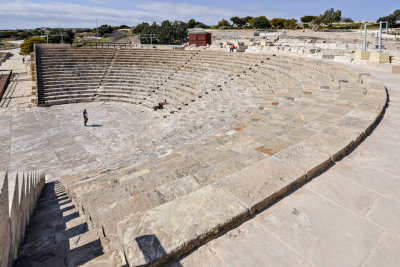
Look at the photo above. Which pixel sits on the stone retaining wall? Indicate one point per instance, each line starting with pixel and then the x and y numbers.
pixel 4 81
pixel 18 195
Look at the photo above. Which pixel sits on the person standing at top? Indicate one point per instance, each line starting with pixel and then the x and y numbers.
pixel 232 47
pixel 23 60
pixel 85 117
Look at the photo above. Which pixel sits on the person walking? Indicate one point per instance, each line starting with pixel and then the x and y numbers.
pixel 232 48
pixel 85 117
pixel 23 60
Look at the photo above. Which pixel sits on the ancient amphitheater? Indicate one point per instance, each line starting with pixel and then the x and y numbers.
pixel 146 183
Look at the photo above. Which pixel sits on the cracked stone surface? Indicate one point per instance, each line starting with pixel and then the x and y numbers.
pixel 346 216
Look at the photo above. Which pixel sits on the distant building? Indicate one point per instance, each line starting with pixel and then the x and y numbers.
pixel 199 38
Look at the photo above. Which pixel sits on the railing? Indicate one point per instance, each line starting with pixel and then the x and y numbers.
pixel 103 45
pixel 4 81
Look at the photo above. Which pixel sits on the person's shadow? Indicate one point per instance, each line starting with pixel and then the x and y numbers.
pixel 94 125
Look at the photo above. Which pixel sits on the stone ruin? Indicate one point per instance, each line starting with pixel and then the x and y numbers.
pixel 246 129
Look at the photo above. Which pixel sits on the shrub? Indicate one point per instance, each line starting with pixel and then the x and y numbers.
pixel 27 45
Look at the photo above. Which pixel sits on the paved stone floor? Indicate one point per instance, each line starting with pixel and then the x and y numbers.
pixel 55 139
pixel 347 216
pixel 18 97
pixel 14 62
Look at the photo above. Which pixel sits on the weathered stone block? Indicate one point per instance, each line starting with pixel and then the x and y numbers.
pixel 304 158
pixel 178 226
pixel 363 55
pixel 379 57
pixel 262 182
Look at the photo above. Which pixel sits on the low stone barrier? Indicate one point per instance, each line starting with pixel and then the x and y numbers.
pixel 18 195
pixel 4 81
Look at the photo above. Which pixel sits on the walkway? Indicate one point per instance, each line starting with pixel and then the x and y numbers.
pixel 14 62
pixel 347 216
pixel 18 96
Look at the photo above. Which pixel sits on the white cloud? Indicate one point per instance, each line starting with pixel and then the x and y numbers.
pixel 23 14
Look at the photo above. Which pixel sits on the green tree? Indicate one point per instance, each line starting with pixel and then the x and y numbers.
pixel 240 22
pixel 201 25
pixel 308 19
pixel 179 34
pixel 223 23
pixel 290 24
pixel 166 33
pixel 105 30
pixel 247 19
pixel 392 18
pixel 277 23
pixel 261 22
pixel 123 26
pixel 251 22
pixel 191 23
pixel 27 45
pixel 140 27
pixel 330 16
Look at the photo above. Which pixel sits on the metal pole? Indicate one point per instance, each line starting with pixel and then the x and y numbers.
pixel 97 30
pixel 380 36
pixel 139 39
pixel 62 37
pixel 265 37
pixel 47 37
pixel 237 37
pixel 365 37
pixel 387 26
pixel 151 39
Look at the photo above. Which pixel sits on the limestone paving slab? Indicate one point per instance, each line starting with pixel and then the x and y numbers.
pixel 319 230
pixel 157 235
pixel 304 158
pixel 386 212
pixel 260 183
pixel 333 186
pixel 386 252
pixel 258 247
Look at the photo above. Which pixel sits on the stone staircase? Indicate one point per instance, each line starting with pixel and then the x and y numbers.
pixel 58 235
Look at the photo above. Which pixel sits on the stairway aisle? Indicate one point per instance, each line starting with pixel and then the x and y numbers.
pixel 58 236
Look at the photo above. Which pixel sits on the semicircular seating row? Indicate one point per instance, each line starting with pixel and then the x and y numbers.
pixel 278 120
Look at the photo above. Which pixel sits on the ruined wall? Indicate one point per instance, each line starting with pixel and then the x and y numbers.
pixel 18 195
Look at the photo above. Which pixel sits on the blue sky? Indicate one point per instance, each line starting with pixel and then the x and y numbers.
pixel 74 13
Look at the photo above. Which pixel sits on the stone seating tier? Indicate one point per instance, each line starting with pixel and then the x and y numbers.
pixel 267 124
